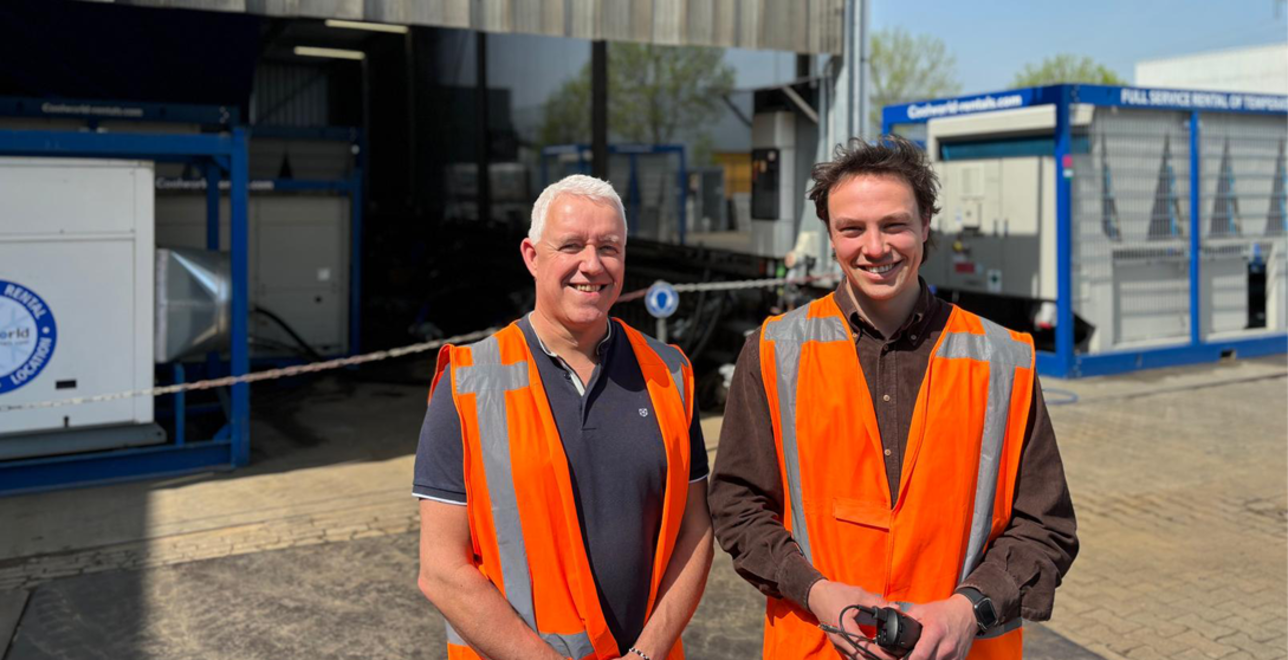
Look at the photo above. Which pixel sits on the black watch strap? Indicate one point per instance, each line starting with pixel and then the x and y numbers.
pixel 985 613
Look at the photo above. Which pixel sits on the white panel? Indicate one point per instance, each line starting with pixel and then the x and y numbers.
pixel 299 260
pixel 1223 294
pixel 669 22
pixel 586 17
pixel 749 19
pixel 1048 285
pixel 1021 215
pixel 725 23
pixel 55 195
pixel 93 268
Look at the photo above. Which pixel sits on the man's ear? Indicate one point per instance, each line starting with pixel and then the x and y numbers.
pixel 529 251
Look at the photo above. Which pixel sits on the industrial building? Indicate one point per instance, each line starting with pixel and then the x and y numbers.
pixel 1125 227
pixel 297 182
pixel 304 182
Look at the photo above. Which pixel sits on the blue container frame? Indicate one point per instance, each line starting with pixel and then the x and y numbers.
pixel 634 151
pixel 1066 362
pixel 351 186
pixel 219 155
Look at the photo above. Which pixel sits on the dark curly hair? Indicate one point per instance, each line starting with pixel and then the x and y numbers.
pixel 890 155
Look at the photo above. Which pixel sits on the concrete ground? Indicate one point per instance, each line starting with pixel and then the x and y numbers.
pixel 1180 479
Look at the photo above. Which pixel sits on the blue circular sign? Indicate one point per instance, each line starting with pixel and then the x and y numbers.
pixel 661 300
pixel 28 334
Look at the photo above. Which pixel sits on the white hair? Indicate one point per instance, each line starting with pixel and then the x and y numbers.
pixel 581 186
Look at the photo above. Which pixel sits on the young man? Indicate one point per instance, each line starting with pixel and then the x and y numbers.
pixel 881 446
pixel 561 467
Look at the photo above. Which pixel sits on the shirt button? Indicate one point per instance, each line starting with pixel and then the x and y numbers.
pixel 887 452
pixel 914 337
pixel 885 397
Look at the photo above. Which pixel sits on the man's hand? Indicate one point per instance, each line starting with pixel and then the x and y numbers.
pixel 947 629
pixel 827 599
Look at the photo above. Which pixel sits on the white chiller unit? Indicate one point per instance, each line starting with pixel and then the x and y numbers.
pixel 76 236
pixel 1130 216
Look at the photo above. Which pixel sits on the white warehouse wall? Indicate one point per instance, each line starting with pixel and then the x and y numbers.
pixel 1259 69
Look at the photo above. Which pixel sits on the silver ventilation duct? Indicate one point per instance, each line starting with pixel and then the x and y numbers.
pixel 194 292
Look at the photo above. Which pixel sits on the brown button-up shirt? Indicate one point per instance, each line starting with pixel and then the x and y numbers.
pixel 1021 568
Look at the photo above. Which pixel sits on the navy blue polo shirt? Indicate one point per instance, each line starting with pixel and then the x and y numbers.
pixel 616 457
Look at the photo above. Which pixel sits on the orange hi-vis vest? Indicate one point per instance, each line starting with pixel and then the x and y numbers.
pixel 959 468
pixel 523 517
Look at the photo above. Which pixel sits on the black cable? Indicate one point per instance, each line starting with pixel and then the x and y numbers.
pixel 256 340
pixel 308 350
pixel 710 328
pixel 856 640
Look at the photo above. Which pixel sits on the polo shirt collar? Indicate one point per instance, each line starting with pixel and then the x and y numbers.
pixel 600 348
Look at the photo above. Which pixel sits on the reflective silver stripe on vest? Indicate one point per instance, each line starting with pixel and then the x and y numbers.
pixel 674 361
pixel 489 380
pixel 1003 355
pixel 788 334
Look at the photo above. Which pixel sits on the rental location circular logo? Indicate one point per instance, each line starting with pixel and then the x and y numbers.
pixel 28 334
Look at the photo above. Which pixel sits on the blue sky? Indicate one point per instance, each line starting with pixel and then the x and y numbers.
pixel 993 39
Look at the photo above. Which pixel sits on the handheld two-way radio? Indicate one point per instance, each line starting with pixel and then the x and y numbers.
pixel 896 633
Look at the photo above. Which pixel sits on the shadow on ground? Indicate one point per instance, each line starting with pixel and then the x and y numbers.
pixel 352 600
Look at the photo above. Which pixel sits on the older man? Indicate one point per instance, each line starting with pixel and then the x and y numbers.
pixel 561 469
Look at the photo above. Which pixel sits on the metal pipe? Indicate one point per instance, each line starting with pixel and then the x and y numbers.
pixel 865 66
pixel 484 192
pixel 848 65
pixel 599 109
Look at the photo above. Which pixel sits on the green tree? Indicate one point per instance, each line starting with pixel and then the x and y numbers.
pixel 1065 68
pixel 907 67
pixel 656 94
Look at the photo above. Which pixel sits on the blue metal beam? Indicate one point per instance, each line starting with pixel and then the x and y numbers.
pixel 78 470
pixel 355 262
pixel 108 145
pixel 212 207
pixel 98 110
pixel 1196 254
pixel 923 111
pixel 1120 362
pixel 239 245
pixel 1064 232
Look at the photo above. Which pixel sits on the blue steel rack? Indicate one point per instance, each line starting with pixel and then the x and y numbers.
pixel 1066 362
pixel 351 186
pixel 220 155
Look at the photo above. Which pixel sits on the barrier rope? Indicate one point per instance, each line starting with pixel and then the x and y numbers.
pixel 374 356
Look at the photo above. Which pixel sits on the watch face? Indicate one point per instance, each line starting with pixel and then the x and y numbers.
pixel 984 613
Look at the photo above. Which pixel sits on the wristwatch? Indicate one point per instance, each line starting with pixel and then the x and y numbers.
pixel 985 613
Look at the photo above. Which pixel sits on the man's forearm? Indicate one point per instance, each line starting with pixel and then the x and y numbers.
pixel 482 616
pixel 683 583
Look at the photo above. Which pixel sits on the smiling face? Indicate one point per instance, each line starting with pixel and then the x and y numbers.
pixel 878 233
pixel 578 262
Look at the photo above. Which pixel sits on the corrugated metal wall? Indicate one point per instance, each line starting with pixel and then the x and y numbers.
pixel 290 95
pixel 803 26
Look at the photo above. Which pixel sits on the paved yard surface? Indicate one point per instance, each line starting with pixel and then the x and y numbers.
pixel 1180 479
